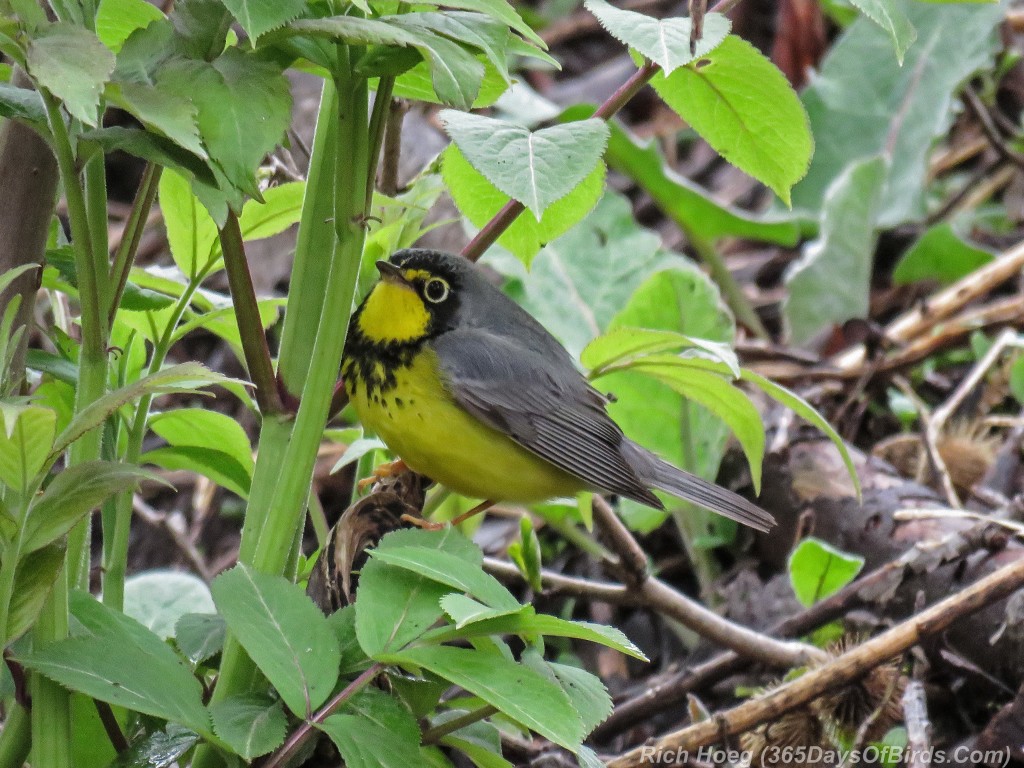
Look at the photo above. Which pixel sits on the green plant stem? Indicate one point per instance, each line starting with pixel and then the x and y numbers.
pixel 95 176
pixel 378 122
pixel 15 740
pixel 51 703
pixel 133 229
pixel 438 732
pixel 247 313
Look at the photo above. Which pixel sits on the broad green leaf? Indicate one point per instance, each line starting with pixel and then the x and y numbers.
pixel 200 636
pixel 889 15
pixel 33 580
pixel 818 570
pixel 585 630
pixel 516 690
pixel 375 730
pixel 626 343
pixel 167 113
pixel 119 661
pixel 251 725
pixel 200 24
pixel 161 749
pixel 395 606
pixel 21 104
pixel 72 64
pixel 243 107
pixel 117 19
pixel 73 494
pixel 417 84
pixel 343 624
pixel 479 201
pixel 475 30
pixel 283 632
pixel 465 610
pixel 587 693
pixel 843 254
pixel 25 443
pixel 158 599
pixel 940 254
pixel 537 168
pixel 501 10
pixel 280 209
pixel 477 742
pixel 152 147
pixel 690 206
pixel 862 102
pixel 185 377
pixel 452 571
pixel 664 41
pixel 746 110
pixel 260 16
pixel 577 283
pixel 228 454
pixel 219 466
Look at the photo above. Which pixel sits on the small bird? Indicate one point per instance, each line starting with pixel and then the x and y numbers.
pixel 470 390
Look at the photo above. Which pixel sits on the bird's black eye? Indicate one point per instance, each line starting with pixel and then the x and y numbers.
pixel 435 290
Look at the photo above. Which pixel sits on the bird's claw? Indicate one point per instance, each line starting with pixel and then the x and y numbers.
pixel 382 472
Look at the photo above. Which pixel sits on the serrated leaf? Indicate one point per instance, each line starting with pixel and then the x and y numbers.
pixel 72 64
pixel 167 113
pixel 158 750
pixel 817 570
pixel 744 107
pixel 516 690
pixel 117 19
pixel 151 147
pixel 843 254
pixel 144 674
pixel 587 693
pixel 585 630
pixel 25 444
pixel 475 30
pixel 159 598
pixel 375 730
pixel 283 632
pixel 73 494
pixel 225 455
pixel 501 10
pixel 664 41
pixel 465 610
pixel 479 200
pixel 200 636
pixel 260 16
pixel 888 15
pixel 33 580
pixel 452 571
pixel 251 725
pixel 537 168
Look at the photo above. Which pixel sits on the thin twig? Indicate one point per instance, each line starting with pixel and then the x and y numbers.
pixel 988 126
pixel 843 670
pixel 111 726
pixel 438 732
pixel 179 536
pixel 930 437
pixel 915 717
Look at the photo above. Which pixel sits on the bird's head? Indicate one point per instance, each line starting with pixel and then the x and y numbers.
pixel 418 296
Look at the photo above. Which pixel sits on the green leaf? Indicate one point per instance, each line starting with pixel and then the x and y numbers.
pixel 250 725
pixel 888 15
pixel 72 64
pixel 200 636
pixel 479 201
pixel 465 610
pixel 584 630
pixel 119 661
pixel 501 10
pixel 73 494
pixel 21 104
pixel 536 168
pixel 664 41
pixel 940 254
pixel 395 606
pixel 25 443
pixel 283 632
pixel 475 30
pixel 516 690
pixel 818 570
pixel 158 750
pixel 587 693
pixel 225 455
pixel 260 16
pixel 842 255
pixel 117 19
pixel 626 343
pixel 686 203
pixel 185 377
pixel 151 147
pixel 417 84
pixel 862 102
pixel 526 554
pixel 33 579
pixel 746 110
pixel 280 209
pixel 452 571
pixel 191 232
pixel 166 113
pixel 375 730
pixel 158 599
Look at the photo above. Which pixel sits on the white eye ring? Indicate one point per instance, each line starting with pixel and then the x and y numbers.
pixel 435 290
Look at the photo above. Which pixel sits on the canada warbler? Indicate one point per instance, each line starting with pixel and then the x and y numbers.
pixel 471 391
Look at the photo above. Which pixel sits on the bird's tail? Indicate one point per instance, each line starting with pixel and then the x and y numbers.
pixel 677 482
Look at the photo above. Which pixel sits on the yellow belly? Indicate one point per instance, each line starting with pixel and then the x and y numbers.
pixel 434 436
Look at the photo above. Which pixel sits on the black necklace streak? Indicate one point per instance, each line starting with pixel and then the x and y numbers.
pixel 374 363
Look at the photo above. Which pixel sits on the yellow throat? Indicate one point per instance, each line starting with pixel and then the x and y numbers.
pixel 393 312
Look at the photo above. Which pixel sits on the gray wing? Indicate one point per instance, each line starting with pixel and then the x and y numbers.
pixel 543 404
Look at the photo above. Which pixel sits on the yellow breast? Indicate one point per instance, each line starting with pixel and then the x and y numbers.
pixel 421 423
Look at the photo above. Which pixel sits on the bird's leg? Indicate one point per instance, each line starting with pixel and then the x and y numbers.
pixel 430 525
pixel 390 469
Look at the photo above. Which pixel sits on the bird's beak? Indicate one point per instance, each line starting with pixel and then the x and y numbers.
pixel 391 273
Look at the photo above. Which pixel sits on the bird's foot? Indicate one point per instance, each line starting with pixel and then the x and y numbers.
pixel 382 472
pixel 419 522
pixel 430 525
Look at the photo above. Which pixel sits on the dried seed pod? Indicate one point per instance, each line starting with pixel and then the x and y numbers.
pixel 789 741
